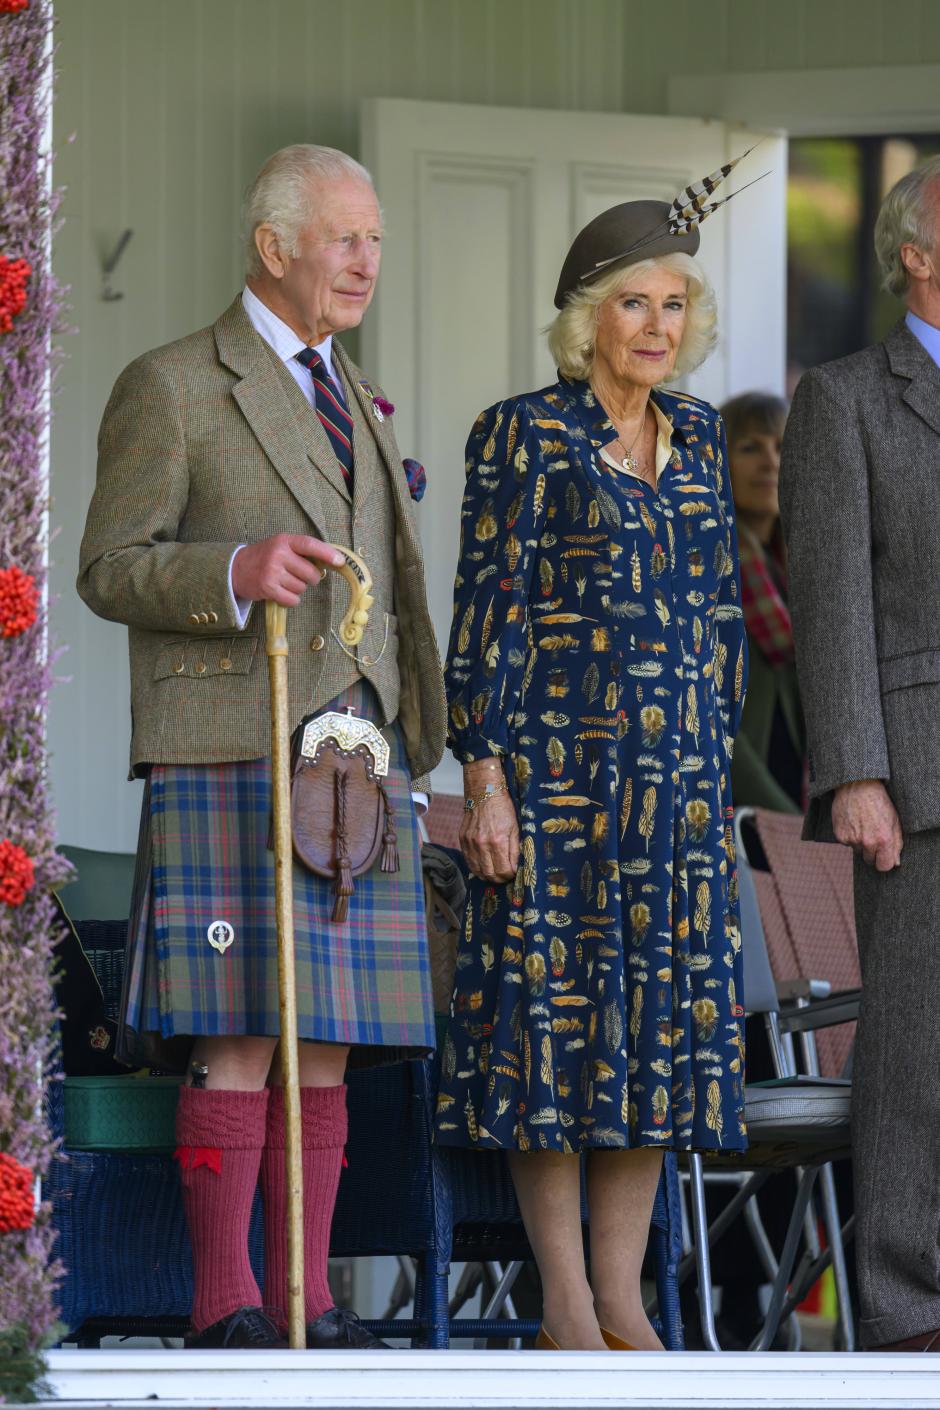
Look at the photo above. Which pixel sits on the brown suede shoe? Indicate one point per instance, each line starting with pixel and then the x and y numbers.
pixel 927 1341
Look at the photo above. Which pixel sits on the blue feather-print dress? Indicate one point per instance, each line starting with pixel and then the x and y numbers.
pixel 598 646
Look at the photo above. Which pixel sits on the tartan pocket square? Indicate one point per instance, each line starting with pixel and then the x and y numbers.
pixel 417 478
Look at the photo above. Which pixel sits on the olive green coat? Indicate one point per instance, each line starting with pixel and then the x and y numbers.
pixel 752 782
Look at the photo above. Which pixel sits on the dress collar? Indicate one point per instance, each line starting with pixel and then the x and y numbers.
pixel 681 415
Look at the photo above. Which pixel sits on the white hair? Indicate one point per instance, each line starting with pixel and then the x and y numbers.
pixel 281 194
pixel 907 217
pixel 573 334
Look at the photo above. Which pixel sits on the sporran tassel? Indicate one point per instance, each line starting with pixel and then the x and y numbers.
pixel 390 861
pixel 343 886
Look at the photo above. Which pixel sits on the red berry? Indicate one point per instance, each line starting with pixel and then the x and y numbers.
pixel 17 1207
pixel 14 277
pixel 17 873
pixel 18 601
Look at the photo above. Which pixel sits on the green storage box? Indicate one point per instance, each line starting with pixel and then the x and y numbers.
pixel 122 1115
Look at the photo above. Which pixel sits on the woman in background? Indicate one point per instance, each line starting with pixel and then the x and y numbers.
pixel 769 754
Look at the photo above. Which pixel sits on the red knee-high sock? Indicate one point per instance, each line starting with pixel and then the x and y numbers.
pixel 323 1115
pixel 220 1137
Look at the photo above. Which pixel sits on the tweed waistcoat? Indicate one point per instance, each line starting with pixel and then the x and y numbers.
pixel 207 444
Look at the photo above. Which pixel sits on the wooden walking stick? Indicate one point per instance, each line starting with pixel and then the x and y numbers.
pixel 351 631
pixel 275 618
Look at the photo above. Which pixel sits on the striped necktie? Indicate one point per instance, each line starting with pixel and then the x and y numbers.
pixel 334 418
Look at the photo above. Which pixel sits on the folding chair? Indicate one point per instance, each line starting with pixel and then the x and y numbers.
pixel 799 1121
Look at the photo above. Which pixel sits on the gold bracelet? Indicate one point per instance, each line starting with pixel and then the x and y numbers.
pixel 490 791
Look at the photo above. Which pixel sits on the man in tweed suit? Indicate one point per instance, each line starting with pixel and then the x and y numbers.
pixel 860 496
pixel 228 463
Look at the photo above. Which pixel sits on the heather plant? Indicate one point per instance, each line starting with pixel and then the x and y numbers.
pixel 29 866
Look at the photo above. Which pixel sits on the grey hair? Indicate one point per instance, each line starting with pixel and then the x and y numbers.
pixel 280 195
pixel 906 217
pixel 572 335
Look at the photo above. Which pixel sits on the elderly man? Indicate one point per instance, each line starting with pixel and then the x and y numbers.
pixel 859 496
pixel 229 462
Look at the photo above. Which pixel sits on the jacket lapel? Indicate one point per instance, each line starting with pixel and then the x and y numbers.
pixel 908 358
pixel 264 404
pixel 381 431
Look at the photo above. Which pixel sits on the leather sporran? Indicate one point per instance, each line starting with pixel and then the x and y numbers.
pixel 341 815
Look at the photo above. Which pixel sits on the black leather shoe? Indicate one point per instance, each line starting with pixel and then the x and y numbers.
pixel 248 1327
pixel 339 1329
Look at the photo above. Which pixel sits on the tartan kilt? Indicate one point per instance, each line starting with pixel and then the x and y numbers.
pixel 203 857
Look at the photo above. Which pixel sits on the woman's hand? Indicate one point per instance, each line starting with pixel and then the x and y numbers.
pixel 489 835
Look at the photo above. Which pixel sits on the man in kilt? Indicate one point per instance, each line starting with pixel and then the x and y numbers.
pixel 229 461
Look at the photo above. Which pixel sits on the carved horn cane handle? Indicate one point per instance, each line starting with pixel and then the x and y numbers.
pixel 359 581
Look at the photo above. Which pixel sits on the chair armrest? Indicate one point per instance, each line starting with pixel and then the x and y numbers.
pixel 822 1013
pixel 788 989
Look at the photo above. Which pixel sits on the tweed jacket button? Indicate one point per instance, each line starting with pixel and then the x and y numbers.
pixel 225 664
pixel 194 618
pixel 213 616
pixel 317 643
pixel 204 618
pixel 180 667
pixel 200 668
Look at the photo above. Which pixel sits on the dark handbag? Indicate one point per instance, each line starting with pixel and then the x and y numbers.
pixel 341 815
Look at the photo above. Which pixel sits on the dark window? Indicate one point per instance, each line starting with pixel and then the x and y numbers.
pixel 835 304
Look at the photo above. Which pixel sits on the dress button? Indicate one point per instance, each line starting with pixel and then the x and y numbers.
pixel 194 618
pixel 225 664
pixel 201 668
pixel 180 667
pixel 317 643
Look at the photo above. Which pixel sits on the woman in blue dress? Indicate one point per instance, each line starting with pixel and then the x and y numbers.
pixel 595 677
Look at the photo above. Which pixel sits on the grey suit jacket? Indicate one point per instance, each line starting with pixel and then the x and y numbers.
pixel 860 499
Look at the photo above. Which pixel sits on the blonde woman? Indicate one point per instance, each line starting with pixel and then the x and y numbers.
pixel 595 679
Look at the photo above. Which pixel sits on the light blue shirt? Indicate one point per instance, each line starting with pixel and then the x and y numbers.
pixel 926 334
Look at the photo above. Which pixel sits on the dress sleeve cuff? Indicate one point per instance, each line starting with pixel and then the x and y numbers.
pixel 474 747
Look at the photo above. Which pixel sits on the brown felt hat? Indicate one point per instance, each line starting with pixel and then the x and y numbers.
pixel 623 235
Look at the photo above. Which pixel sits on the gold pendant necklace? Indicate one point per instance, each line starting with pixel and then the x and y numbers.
pixel 630 462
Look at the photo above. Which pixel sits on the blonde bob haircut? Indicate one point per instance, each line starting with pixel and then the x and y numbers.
pixel 572 335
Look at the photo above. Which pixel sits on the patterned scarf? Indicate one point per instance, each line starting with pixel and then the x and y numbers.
pixel 766 615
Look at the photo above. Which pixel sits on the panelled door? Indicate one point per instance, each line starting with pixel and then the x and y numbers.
pixel 480 206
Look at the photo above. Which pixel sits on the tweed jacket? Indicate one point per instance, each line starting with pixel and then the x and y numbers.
pixel 202 449
pixel 861 513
